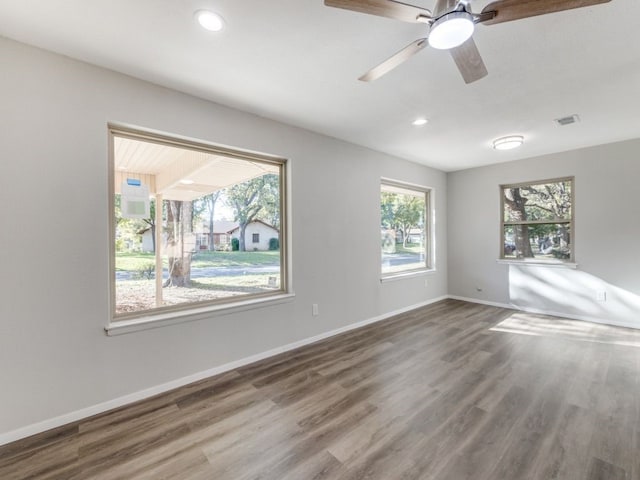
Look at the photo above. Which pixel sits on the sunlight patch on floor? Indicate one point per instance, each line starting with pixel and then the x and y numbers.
pixel 546 326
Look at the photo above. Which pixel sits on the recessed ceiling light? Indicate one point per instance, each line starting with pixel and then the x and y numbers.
pixel 418 122
pixel 451 30
pixel 187 181
pixel 507 143
pixel 209 20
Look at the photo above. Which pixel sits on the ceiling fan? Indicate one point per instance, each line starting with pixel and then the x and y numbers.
pixel 451 26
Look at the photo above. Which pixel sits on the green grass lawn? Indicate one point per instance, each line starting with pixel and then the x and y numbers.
pixel 234 259
pixel 138 261
pixel 410 248
pixel 133 261
pixel 239 283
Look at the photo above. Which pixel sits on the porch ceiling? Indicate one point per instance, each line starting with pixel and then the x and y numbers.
pixel 180 173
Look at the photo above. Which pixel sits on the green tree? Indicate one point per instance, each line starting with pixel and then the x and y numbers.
pixel 402 212
pixel 254 199
pixel 549 204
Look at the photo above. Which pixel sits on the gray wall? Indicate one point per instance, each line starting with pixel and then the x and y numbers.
pixel 607 236
pixel 54 356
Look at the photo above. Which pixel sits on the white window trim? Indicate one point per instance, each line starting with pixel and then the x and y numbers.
pixel 187 312
pixel 537 263
pixel 391 277
pixel 166 319
pixel 429 220
pixel 570 262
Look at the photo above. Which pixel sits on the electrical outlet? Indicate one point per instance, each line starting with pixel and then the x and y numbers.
pixel 314 310
pixel 426 282
pixel 601 296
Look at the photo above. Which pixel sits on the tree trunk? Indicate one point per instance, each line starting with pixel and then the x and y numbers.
pixel 523 245
pixel 517 206
pixel 153 237
pixel 241 242
pixel 179 248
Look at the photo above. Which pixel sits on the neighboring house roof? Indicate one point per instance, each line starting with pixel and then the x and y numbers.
pixel 224 226
pixel 254 221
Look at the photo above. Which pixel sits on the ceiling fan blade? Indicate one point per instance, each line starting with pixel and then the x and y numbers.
pixel 469 61
pixel 395 60
pixel 384 8
pixel 508 10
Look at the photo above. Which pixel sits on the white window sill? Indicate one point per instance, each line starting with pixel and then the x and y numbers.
pixel 172 318
pixel 401 275
pixel 538 263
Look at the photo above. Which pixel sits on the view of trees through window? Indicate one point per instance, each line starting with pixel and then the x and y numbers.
pixel 403 214
pixel 537 220
pixel 196 242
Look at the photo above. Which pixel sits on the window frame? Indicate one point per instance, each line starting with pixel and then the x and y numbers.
pixel 158 316
pixel 571 222
pixel 429 235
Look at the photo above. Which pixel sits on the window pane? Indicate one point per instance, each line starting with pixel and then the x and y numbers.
pixel 217 235
pixel 403 230
pixel 542 241
pixel 542 201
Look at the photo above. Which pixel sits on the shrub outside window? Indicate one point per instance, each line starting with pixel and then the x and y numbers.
pixel 405 236
pixel 537 220
pixel 183 214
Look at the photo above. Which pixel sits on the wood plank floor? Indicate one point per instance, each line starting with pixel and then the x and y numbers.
pixel 452 391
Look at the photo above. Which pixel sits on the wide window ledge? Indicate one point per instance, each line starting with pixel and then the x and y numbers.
pixel 538 263
pixel 172 318
pixel 401 275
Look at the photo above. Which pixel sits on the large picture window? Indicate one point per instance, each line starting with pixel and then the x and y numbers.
pixel 404 228
pixel 185 219
pixel 537 220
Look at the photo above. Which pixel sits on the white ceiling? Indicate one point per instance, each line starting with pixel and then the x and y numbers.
pixel 297 61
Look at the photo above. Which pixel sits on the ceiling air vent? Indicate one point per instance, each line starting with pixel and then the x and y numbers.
pixel 567 120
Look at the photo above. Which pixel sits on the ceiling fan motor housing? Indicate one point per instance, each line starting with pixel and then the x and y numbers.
pixel 446 6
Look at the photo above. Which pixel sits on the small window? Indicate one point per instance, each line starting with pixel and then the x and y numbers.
pixel 256 238
pixel 179 214
pixel 537 220
pixel 405 236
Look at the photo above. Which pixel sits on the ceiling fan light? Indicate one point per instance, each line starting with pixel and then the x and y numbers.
pixel 507 143
pixel 451 30
pixel 209 20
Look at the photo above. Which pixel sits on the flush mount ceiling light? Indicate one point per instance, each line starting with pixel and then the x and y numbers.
pixel 451 30
pixel 209 20
pixel 507 143
pixel 187 181
pixel 418 122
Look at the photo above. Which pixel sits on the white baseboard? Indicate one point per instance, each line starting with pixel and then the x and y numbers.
pixel 70 417
pixel 482 302
pixel 539 311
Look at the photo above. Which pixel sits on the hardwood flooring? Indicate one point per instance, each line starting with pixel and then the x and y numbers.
pixel 452 391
